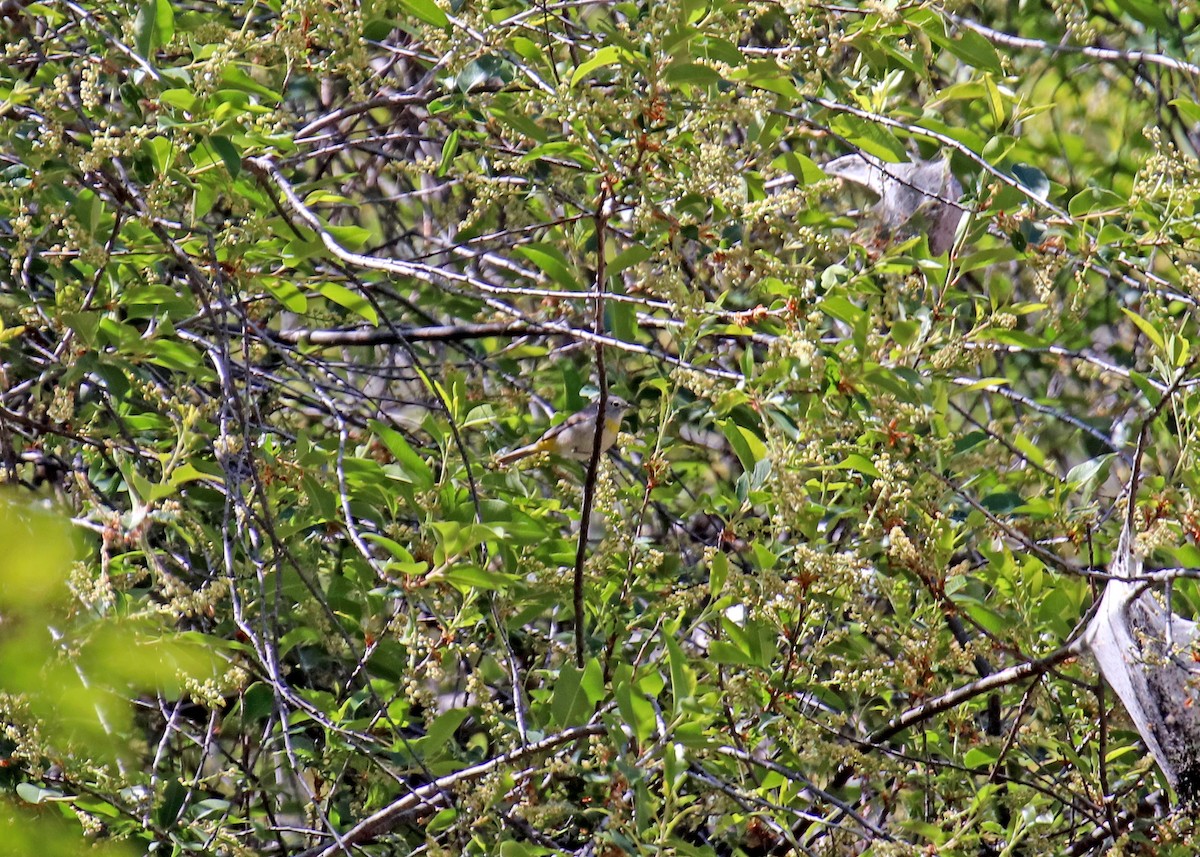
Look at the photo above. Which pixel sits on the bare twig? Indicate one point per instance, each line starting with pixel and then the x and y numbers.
pixel 436 794
pixel 1108 54
pixel 593 465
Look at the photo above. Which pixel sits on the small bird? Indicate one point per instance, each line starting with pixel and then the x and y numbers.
pixel 574 436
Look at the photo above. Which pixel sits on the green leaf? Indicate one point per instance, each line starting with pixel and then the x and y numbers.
pixel 692 73
pixel 412 464
pixel 1119 752
pixel 1089 475
pixel 352 301
pixel 287 294
pixel 981 757
pixel 174 354
pixel 85 324
pixel 683 679
pixel 722 50
pixel 1029 448
pixel 1179 347
pixel 605 56
pixel 1111 233
pixel 967 90
pixel 627 258
pixel 442 820
pixel 30 793
pixel 766 75
pixel 173 798
pixel 551 262
pixel 153 27
pixel 803 168
pixel 87 209
pixel 749 447
pixel 985 258
pixel 561 150
pixel 234 77
pixel 843 309
pixel 1033 179
pixel 228 153
pixel 635 709
pixel 1152 333
pixel 859 463
pixel 184 99
pixel 1095 200
pixel 987 384
pixel 905 331
pixel 570 706
pixel 869 137
pixel 718 574
pixel 523 125
pixel 1188 109
pixel 1002 502
pixel 188 472
pixel 975 50
pixel 427 11
pixel 592 681
pixel 350 236
pixel 1153 394
pixel 622 319
pixel 161 153
pixel 479 71
pixel 727 653
pixel 442 729
pixel 1013 337
pixel 449 150
pixel 258 701
pixel 1148 12
pixel 986 618
pixel 467 576
pixel 995 101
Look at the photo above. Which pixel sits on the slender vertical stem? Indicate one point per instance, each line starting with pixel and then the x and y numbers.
pixel 1105 788
pixel 593 467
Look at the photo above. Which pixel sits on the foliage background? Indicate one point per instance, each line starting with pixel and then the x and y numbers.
pixel 281 277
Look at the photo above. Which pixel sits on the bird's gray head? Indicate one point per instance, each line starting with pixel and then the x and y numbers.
pixel 615 405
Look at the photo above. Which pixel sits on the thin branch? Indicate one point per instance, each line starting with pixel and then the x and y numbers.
pixel 1058 351
pixel 959 695
pixel 1047 557
pixel 1011 738
pixel 1110 54
pixel 589 485
pixel 407 99
pixel 1062 416
pixel 447 279
pixel 436 794
pixel 796 776
pixel 393 336
pixel 1106 796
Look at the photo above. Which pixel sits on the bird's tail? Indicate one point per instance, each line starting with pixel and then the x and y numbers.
pixel 509 457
